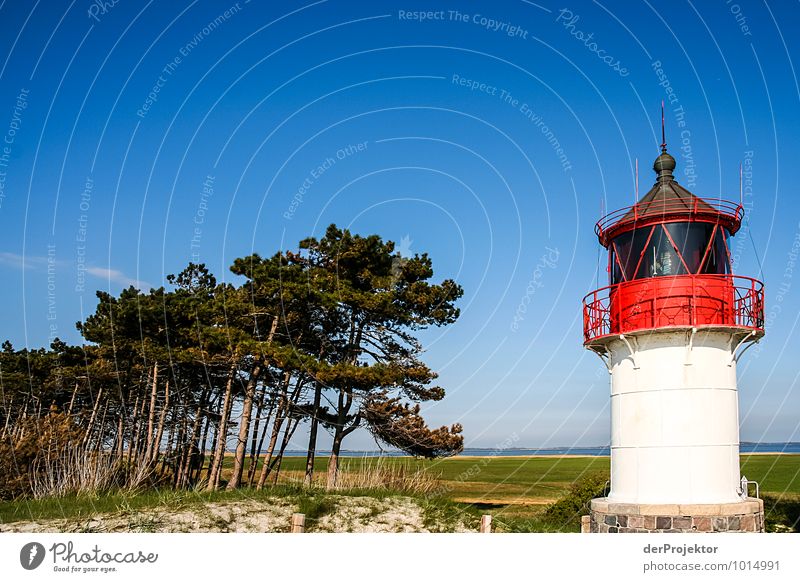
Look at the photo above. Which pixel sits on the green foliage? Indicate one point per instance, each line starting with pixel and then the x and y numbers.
pixel 401 426
pixel 322 335
pixel 782 513
pixel 370 301
pixel 569 509
pixel 314 506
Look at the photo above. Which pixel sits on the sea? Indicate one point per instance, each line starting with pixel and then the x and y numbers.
pixel 744 448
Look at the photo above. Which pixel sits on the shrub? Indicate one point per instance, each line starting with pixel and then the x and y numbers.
pixel 315 506
pixel 781 515
pixel 31 448
pixel 569 509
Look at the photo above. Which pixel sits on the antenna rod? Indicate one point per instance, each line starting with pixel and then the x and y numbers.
pixel 637 181
pixel 741 197
pixel 663 133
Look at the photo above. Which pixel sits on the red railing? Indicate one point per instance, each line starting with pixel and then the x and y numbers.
pixel 680 301
pixel 726 210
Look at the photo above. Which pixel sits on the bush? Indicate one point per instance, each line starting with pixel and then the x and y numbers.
pixel 315 506
pixel 781 515
pixel 31 448
pixel 569 509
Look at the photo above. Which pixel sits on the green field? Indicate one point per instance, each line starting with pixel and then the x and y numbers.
pixel 515 490
pixel 487 480
pixel 541 480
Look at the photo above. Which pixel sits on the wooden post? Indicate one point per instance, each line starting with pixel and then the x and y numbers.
pixel 586 524
pixel 298 523
pixel 486 523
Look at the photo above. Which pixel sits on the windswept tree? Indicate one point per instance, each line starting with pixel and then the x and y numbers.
pixel 281 311
pixel 376 300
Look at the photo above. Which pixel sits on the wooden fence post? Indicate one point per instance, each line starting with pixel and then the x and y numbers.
pixel 298 523
pixel 486 523
pixel 586 524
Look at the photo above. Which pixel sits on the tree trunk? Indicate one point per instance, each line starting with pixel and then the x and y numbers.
pixel 212 454
pixel 72 400
pixel 291 426
pixel 180 446
pixel 8 418
pixel 134 427
pixel 251 473
pixel 203 447
pixel 90 426
pixel 254 437
pixel 99 445
pixel 160 429
pixel 244 427
pixel 120 446
pixel 341 431
pixel 333 460
pixel 276 430
pixel 170 440
pixel 280 413
pixel 342 408
pixel 137 441
pixel 187 467
pixel 247 411
pixel 151 415
pixel 140 433
pixel 222 431
pixel 312 438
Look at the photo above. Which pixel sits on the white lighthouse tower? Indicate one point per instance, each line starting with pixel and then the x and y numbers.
pixel 670 327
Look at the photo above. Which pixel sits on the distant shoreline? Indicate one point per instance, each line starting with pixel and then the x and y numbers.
pixel 746 448
pixel 769 453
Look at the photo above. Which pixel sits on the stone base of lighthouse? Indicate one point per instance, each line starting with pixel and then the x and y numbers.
pixel 610 517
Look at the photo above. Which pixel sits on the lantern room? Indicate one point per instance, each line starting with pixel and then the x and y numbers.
pixel 669 265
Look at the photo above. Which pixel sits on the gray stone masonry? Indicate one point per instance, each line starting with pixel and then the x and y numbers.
pixel 610 517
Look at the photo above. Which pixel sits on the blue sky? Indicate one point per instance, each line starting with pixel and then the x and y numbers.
pixel 141 135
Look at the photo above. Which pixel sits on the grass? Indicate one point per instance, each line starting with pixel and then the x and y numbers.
pixel 84 507
pixel 778 474
pixel 515 490
pixel 315 506
pixel 531 480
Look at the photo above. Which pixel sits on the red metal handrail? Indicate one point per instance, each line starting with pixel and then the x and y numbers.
pixel 655 306
pixel 656 210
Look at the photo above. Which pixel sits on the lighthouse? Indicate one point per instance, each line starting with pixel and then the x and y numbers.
pixel 671 327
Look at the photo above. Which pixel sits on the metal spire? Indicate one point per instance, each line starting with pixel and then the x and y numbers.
pixel 663 133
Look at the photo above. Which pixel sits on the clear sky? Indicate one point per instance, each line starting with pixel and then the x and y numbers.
pixel 140 135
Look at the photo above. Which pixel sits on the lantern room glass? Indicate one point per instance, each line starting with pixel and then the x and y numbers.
pixel 670 249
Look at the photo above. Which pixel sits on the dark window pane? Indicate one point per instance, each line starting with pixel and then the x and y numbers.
pixel 629 248
pixel 660 258
pixel 692 239
pixel 717 261
pixel 616 272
